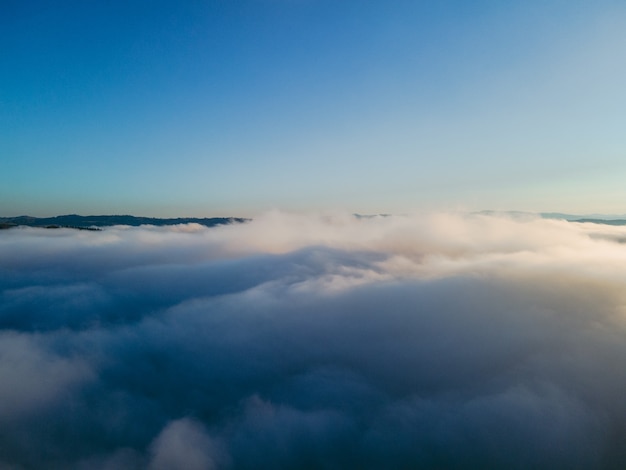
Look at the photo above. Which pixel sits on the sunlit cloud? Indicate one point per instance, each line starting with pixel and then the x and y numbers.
pixel 434 340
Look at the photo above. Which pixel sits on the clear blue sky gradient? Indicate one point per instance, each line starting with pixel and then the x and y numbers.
pixel 227 107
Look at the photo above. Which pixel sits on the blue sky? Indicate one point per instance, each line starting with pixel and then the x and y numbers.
pixel 236 107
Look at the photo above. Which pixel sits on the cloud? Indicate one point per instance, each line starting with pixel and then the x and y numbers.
pixel 34 377
pixel 315 341
pixel 183 443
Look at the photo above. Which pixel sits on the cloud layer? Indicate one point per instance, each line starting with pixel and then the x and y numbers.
pixel 331 341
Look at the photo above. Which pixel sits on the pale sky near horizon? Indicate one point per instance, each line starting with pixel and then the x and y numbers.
pixel 227 107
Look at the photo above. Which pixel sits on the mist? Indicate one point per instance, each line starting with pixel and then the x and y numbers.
pixel 437 340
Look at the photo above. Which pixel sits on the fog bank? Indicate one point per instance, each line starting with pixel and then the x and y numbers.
pixel 315 341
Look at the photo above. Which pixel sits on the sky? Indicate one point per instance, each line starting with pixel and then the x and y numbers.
pixel 435 336
pixel 457 341
pixel 234 108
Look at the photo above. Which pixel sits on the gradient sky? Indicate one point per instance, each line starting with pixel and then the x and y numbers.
pixel 228 107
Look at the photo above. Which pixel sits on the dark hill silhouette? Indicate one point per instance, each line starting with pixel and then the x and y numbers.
pixel 95 221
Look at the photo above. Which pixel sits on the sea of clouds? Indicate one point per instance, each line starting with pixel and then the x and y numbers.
pixel 436 340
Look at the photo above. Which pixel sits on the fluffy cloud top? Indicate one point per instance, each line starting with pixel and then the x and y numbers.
pixel 331 341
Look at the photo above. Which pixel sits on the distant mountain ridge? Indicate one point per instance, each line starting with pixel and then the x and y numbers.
pixel 594 218
pixel 95 221
pixel 606 219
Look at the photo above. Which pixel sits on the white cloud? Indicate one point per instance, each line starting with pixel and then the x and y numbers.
pixel 183 444
pixel 313 338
